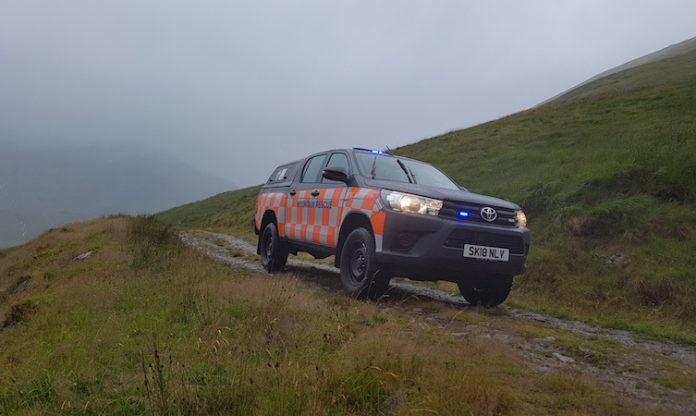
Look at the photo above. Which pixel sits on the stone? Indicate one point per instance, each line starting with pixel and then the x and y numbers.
pixel 562 358
pixel 84 256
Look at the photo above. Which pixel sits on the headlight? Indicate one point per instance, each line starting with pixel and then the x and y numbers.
pixel 520 219
pixel 399 201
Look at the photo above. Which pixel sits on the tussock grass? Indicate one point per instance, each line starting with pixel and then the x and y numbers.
pixel 178 334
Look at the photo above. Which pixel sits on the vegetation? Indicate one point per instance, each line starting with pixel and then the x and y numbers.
pixel 609 183
pixel 231 212
pixel 147 326
pixel 607 175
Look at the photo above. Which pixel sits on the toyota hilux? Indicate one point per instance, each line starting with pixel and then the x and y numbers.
pixel 383 216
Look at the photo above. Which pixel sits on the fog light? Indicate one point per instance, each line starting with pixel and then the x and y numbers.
pixel 405 241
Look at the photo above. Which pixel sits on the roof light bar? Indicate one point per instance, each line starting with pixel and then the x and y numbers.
pixel 377 152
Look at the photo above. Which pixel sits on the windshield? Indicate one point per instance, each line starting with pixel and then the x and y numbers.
pixel 393 169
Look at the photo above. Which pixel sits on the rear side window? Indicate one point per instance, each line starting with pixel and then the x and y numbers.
pixel 282 174
pixel 312 168
pixel 337 160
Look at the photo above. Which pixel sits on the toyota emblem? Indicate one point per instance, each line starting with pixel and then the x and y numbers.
pixel 488 214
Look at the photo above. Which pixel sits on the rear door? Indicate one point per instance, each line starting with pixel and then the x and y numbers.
pixel 302 200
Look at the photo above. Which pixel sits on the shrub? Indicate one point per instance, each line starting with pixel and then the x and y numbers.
pixel 152 242
pixel 20 312
pixel 616 217
pixel 655 293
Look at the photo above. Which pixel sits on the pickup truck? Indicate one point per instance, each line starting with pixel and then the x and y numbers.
pixel 385 216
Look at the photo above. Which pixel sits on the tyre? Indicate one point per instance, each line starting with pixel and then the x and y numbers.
pixel 274 253
pixel 359 270
pixel 487 290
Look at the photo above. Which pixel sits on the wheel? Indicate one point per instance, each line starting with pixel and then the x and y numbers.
pixel 274 253
pixel 359 271
pixel 487 290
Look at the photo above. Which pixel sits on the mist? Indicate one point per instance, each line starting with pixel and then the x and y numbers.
pixel 232 89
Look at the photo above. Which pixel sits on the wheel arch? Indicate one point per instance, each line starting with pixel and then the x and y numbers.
pixel 352 221
pixel 268 217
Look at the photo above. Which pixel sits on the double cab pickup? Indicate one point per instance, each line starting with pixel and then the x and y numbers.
pixel 385 216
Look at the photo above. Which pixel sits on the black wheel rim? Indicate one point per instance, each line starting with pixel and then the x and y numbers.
pixel 268 245
pixel 358 263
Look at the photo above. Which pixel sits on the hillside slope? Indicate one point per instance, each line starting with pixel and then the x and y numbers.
pixel 608 177
pixel 147 326
pixel 674 61
pixel 607 174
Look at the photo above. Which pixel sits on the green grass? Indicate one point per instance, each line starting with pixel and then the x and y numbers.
pixel 607 176
pixel 678 68
pixel 232 212
pixel 147 326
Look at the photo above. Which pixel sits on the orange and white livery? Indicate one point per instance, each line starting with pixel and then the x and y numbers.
pixel 317 219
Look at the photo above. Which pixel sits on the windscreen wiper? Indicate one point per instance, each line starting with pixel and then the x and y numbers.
pixel 403 167
pixel 374 167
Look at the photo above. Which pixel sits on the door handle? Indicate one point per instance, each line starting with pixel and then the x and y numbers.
pixel 292 192
pixel 315 193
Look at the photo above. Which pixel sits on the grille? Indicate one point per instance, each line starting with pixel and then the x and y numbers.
pixel 450 209
pixel 458 238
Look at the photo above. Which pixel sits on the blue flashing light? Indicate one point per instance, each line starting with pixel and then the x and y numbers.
pixel 377 152
pixel 463 214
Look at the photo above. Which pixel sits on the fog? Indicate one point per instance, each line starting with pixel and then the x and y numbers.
pixel 232 88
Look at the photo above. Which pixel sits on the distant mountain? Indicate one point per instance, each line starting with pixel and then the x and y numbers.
pixel 46 187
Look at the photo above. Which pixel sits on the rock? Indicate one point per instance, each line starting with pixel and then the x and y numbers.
pixel 615 259
pixel 562 358
pixel 83 256
pixel 502 338
pixel 20 285
pixel 547 340
pixel 459 334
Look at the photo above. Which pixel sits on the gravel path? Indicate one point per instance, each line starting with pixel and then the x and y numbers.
pixel 630 372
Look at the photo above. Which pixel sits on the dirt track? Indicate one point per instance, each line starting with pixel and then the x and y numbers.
pixel 630 369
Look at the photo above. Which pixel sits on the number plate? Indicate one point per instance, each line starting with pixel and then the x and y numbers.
pixel 486 253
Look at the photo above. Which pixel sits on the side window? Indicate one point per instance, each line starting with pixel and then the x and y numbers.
pixel 282 174
pixel 337 160
pixel 312 169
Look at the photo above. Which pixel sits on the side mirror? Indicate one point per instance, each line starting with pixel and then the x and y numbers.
pixel 335 174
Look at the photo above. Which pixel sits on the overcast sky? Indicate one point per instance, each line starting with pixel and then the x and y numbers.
pixel 236 87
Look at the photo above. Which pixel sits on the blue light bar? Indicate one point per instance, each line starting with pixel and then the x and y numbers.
pixel 463 214
pixel 377 152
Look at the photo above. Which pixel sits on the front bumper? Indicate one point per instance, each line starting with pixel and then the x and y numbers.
pixel 426 247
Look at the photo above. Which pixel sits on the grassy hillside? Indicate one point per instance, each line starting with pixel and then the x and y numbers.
pixel 607 175
pixel 671 70
pixel 673 63
pixel 229 211
pixel 146 326
pixel 609 184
